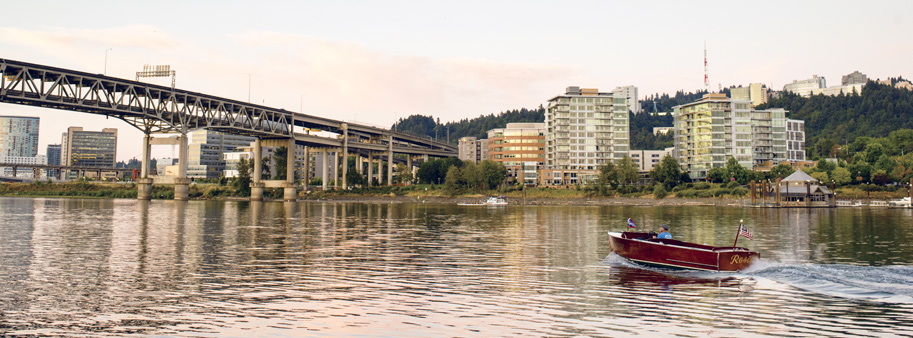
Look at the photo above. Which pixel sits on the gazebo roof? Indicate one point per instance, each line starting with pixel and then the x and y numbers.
pixel 799 176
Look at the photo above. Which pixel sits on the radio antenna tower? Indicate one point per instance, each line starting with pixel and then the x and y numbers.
pixel 706 78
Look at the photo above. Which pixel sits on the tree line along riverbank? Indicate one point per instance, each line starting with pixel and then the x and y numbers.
pixel 690 193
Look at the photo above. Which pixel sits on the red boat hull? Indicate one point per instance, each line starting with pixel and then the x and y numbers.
pixel 641 248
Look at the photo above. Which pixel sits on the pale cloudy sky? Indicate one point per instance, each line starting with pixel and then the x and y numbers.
pixel 375 61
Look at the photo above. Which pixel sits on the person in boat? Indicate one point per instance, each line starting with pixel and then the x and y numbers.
pixel 663 232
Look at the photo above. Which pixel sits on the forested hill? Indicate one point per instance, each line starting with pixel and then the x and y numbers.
pixel 879 110
pixel 478 127
pixel 665 102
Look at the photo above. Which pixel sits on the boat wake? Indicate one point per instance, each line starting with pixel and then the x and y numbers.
pixel 880 284
pixel 885 284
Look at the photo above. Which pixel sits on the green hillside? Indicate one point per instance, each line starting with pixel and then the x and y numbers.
pixel 877 111
pixel 428 126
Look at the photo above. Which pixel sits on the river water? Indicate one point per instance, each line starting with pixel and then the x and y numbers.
pixel 81 267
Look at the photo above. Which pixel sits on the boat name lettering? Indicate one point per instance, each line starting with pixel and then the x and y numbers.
pixel 740 260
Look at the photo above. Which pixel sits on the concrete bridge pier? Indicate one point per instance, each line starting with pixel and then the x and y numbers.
pixel 390 160
pixel 325 175
pixel 370 169
pixel 345 154
pixel 409 166
pixel 182 183
pixel 144 183
pixel 307 167
pixel 290 191
pixel 256 187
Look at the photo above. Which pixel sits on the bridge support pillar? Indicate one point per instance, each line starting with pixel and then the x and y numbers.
pixel 256 187
pixel 290 193
pixel 182 183
pixel 370 169
pixel 256 191
pixel 181 188
pixel 291 189
pixel 390 160
pixel 307 167
pixel 409 166
pixel 324 174
pixel 144 189
pixel 336 169
pixel 345 154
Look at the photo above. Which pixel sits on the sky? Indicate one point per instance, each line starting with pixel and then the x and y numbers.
pixel 374 62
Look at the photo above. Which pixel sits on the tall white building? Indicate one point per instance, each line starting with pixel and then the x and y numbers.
pixel 715 128
pixel 586 129
pixel 630 94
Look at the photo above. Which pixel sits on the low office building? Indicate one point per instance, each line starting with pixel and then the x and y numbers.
pixel 18 136
pixel 23 172
pixel 473 149
pixel 516 145
pixel 646 160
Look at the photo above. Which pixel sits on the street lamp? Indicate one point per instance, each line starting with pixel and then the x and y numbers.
pixel 106 61
pixel 248 87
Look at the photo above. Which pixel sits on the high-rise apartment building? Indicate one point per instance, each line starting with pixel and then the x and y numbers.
pixel 473 149
pixel 18 136
pixel 630 95
pixel 518 144
pixel 206 149
pixel 768 136
pixel 585 129
pixel 715 128
pixel 89 148
pixel 757 93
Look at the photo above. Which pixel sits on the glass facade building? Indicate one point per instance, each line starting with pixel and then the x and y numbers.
pixel 710 131
pixel 90 148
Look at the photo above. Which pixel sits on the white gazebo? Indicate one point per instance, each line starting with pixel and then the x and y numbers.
pixel 802 190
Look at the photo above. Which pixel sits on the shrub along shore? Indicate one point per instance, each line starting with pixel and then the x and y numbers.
pixel 691 193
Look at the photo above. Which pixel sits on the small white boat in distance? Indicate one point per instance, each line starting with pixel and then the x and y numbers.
pixel 492 201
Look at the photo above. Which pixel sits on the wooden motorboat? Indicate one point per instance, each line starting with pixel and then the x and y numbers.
pixel 642 248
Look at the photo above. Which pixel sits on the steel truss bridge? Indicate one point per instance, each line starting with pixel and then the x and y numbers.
pixel 156 109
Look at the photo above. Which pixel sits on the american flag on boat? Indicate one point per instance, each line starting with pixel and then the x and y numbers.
pixel 631 223
pixel 744 233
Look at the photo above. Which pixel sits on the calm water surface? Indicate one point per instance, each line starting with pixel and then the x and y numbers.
pixel 71 267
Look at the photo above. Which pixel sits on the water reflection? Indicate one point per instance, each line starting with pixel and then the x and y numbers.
pixel 173 268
